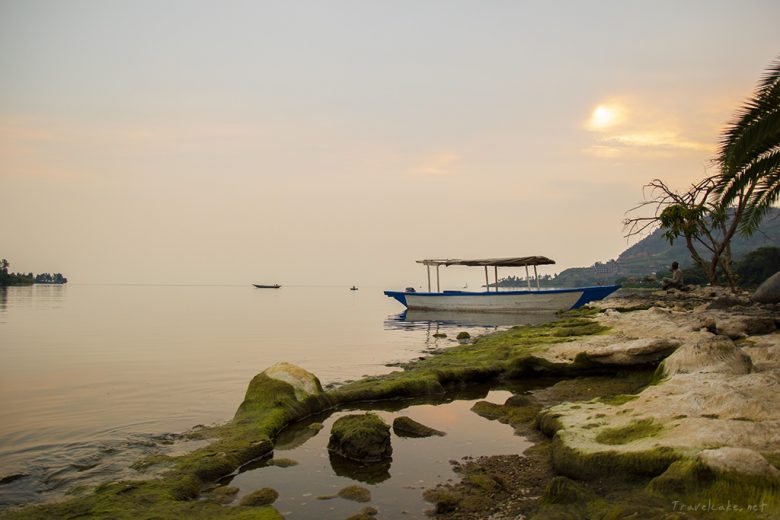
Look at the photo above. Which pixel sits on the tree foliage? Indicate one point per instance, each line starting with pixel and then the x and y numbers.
pixel 758 265
pixel 749 154
pixel 697 218
pixel 737 198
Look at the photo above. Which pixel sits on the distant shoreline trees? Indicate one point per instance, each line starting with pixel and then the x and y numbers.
pixel 7 278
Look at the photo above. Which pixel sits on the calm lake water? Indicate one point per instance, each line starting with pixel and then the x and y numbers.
pixel 89 373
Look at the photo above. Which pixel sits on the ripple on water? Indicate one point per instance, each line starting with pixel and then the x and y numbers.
pixel 52 472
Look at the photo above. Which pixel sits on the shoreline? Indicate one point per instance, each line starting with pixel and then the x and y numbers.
pixel 616 336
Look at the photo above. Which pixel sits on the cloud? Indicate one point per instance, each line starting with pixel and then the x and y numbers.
pixel 626 128
pixel 437 164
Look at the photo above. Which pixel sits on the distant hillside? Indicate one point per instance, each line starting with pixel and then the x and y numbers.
pixel 654 253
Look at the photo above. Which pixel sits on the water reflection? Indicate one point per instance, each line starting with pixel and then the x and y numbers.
pixel 434 323
pixel 396 486
pixel 368 472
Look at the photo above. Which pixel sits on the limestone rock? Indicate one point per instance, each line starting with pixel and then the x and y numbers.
pixel 363 438
pixel 633 352
pixel 305 383
pixel 769 291
pixel 739 460
pixel 710 355
pixel 726 302
pixel 736 328
pixel 285 387
pixel 406 427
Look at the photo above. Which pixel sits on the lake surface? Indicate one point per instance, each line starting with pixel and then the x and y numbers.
pixel 90 372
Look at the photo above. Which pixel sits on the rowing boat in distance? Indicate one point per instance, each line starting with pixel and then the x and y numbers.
pixel 495 301
pixel 274 286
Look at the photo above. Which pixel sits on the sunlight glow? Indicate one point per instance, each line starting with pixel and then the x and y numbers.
pixel 605 116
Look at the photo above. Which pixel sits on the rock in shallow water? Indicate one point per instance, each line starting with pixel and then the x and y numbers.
pixel 261 497
pixel 406 427
pixel 304 382
pixel 364 438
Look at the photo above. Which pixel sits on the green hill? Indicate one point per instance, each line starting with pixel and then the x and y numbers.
pixel 654 254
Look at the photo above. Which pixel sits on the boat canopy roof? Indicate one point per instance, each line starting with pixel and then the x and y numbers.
pixel 492 262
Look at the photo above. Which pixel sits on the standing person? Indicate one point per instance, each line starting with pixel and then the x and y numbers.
pixel 676 281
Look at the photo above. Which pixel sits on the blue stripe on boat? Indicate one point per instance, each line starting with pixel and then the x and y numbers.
pixel 589 294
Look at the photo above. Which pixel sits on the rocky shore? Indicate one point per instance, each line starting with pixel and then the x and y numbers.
pixel 667 405
pixel 701 440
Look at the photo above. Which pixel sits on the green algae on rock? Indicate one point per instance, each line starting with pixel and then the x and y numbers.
pixel 223 494
pixel 629 433
pixel 355 493
pixel 283 395
pixel 406 427
pixel 283 463
pixel 261 497
pixel 363 438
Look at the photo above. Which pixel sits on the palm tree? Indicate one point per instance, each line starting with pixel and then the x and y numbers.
pixel 749 155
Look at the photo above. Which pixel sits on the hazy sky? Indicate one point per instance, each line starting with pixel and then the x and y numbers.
pixel 336 142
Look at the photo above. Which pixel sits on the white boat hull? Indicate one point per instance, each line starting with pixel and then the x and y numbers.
pixel 508 301
pixel 494 303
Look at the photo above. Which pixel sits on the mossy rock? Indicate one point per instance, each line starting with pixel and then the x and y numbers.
pixel 223 494
pixel 363 438
pixel 406 427
pixel 692 482
pixel 367 513
pixel 488 410
pixel 629 433
pixel 588 465
pixel 440 335
pixel 444 500
pixel 463 335
pixel 562 490
pixel 355 493
pixel 283 463
pixel 140 499
pixel 267 396
pixel 261 497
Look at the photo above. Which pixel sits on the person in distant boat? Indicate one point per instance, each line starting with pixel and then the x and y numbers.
pixel 676 281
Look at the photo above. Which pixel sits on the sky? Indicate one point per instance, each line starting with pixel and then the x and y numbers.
pixel 336 142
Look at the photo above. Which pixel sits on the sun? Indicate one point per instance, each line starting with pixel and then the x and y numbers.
pixel 605 116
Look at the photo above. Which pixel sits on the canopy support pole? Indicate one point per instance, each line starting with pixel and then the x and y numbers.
pixel 429 277
pixel 495 268
pixel 528 278
pixel 438 288
pixel 487 280
pixel 537 278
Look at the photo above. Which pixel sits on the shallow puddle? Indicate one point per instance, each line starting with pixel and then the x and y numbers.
pixel 396 488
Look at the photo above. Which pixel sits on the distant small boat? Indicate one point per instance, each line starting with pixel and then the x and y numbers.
pixel 353 288
pixel 274 286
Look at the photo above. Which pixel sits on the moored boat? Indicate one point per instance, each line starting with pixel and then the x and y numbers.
pixel 525 300
pixel 274 286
